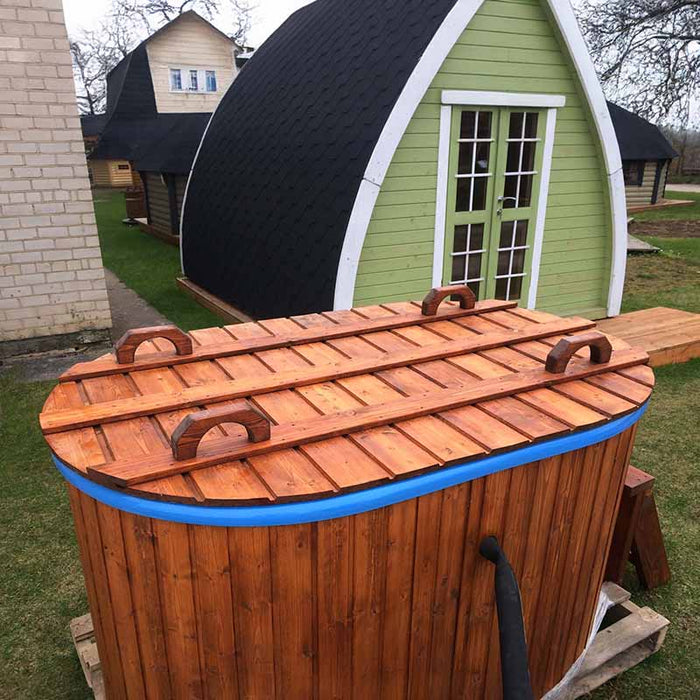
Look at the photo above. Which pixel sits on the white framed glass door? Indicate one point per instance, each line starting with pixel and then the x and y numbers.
pixel 493 186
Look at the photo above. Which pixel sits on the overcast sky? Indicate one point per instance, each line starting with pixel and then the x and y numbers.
pixel 268 15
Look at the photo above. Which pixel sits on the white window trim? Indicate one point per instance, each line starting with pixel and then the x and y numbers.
pixel 486 98
pixel 443 176
pixel 185 80
pixel 447 35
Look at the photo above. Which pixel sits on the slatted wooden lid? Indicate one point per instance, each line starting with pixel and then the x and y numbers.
pixel 316 405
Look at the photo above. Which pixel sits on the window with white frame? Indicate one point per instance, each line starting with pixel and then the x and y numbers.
pixel 520 165
pixel 473 160
pixel 211 80
pixel 512 251
pixel 185 79
pixel 175 79
pixel 467 255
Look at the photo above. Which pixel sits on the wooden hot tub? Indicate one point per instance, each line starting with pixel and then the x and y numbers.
pixel 334 555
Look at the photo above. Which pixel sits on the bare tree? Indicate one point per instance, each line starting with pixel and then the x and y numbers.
pixel 646 53
pixel 242 20
pixel 94 54
pixel 151 14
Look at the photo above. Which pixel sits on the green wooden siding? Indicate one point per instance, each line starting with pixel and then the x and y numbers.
pixel 509 46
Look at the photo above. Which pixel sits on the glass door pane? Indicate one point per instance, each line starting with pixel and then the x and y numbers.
pixel 517 186
pixel 470 196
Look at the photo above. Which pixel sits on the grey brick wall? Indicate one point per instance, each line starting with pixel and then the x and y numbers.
pixel 51 276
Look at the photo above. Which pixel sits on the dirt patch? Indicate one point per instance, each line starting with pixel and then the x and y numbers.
pixel 666 229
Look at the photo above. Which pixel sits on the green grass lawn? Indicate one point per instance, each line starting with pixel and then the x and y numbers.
pixel 41 585
pixel 669 278
pixel 146 264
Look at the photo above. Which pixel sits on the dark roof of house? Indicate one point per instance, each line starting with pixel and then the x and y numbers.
pixel 164 142
pixel 130 93
pixel 173 148
pixel 92 124
pixel 638 138
pixel 278 171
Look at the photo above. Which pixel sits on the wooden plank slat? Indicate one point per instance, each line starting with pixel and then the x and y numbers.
pixel 161 463
pixel 295 336
pixel 133 407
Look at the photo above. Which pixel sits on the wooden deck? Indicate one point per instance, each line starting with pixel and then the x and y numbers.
pixel 668 335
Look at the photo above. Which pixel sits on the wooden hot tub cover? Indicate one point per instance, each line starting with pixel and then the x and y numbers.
pixel 320 405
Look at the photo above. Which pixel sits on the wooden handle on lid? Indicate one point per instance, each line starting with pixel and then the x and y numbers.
pixel 187 436
pixel 125 347
pixel 564 350
pixel 436 296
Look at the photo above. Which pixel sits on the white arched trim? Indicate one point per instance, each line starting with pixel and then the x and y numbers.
pixel 426 69
pixel 422 76
pixel 568 26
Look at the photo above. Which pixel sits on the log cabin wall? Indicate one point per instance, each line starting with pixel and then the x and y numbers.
pixel 158 202
pixel 390 603
pixel 638 195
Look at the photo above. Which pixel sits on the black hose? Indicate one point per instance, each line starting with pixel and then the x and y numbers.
pixel 515 674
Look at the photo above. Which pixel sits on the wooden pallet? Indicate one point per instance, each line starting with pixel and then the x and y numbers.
pixel 668 335
pixel 83 633
pixel 629 635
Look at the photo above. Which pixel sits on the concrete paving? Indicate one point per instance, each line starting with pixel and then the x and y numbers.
pixel 683 188
pixel 129 310
pixel 636 245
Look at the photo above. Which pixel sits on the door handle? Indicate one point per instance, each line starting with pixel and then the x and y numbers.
pixel 499 211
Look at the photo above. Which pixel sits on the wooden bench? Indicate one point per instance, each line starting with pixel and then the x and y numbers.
pixel 637 534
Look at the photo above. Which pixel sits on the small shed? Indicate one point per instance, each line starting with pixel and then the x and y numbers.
pixel 370 150
pixel 164 165
pixel 646 156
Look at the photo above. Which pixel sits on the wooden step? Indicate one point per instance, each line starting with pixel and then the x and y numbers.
pixel 668 335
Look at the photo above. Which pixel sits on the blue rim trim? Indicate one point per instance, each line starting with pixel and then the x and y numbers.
pixel 350 503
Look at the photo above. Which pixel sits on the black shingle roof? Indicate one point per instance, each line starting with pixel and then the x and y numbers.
pixel 92 124
pixel 162 143
pixel 173 147
pixel 130 93
pixel 638 138
pixel 270 197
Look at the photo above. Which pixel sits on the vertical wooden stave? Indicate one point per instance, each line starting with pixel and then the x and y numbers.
pixel 576 641
pixel 555 556
pixel 455 512
pixel 98 600
pixel 369 585
pixel 424 578
pixel 471 547
pixel 110 533
pixel 214 605
pixel 517 520
pixel 618 464
pixel 576 568
pixel 334 568
pixel 396 634
pixel 483 606
pixel 251 581
pixel 143 576
pixel 175 579
pixel 294 615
